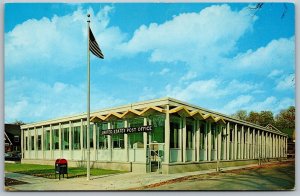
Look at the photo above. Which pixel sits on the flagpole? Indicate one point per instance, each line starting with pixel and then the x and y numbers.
pixel 88 100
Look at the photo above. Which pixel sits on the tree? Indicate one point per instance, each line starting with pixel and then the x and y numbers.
pixel 285 120
pixel 265 118
pixel 254 117
pixel 240 114
pixel 18 122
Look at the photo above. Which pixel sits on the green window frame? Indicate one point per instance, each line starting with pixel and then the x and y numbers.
pixel 76 138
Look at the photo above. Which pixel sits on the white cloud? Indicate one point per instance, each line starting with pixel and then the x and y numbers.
pixel 278 54
pixel 194 38
pixel 27 99
pixel 60 41
pixel 275 73
pixel 287 82
pixel 188 76
pixel 237 104
pixel 164 71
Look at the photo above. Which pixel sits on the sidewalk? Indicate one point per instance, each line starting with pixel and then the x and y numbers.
pixel 123 181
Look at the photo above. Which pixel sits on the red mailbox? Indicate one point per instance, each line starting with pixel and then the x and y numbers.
pixel 61 167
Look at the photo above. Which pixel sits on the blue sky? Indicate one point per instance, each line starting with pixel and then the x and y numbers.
pixel 223 57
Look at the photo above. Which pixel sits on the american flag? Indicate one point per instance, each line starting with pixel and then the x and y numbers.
pixel 94 47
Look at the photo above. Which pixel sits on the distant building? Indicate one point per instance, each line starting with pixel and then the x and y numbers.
pixel 12 137
pixel 165 135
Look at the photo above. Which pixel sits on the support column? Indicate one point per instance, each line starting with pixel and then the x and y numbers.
pixel 167 135
pixel 95 141
pixel 43 144
pixel 35 146
pixel 248 144
pixel 184 139
pixel 235 142
pixel 253 144
pixel 286 147
pixel 51 147
pixel 22 144
pixel 109 142
pixel 259 143
pixel 194 140
pixel 227 141
pixel 59 139
pixel 180 136
pixel 206 142
pixel 70 140
pixel 197 141
pixel 145 137
pixel 242 144
pixel 238 155
pixel 223 139
pixel 126 142
pixel 219 150
pixel 81 140
pixel 209 142
pixel 215 139
pixel 267 144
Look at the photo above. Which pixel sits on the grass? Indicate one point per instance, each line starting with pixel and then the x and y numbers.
pixel 48 171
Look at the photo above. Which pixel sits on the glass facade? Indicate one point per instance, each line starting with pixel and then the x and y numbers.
pixel 47 140
pixel 190 134
pixel 39 142
pixel 136 140
pixel 55 139
pixel 76 138
pixel 117 139
pixel 102 141
pixel 65 138
pixel 158 128
pixel 174 132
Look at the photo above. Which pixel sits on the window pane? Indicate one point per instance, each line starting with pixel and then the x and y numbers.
pixel 32 142
pixel 136 139
pixel 174 133
pixel 189 135
pixel 55 139
pixel 102 142
pixel 76 138
pixel 202 135
pixel 26 143
pixel 39 142
pixel 65 138
pixel 47 140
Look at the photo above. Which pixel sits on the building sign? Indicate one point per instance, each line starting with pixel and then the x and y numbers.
pixel 127 130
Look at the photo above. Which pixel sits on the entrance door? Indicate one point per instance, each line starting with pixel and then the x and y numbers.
pixel 155 156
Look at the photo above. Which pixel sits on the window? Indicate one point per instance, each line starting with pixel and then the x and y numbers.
pixel 231 135
pixel 102 142
pixel 117 139
pixel 213 135
pixel 26 143
pixel 47 140
pixel 16 138
pixel 136 140
pixel 32 142
pixel 39 142
pixel 65 138
pixel 174 134
pixel 189 135
pixel 202 135
pixel 85 138
pixel 76 138
pixel 55 139
pixel 158 128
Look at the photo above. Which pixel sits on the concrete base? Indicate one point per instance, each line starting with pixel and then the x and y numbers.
pixel 166 168
pixel 196 166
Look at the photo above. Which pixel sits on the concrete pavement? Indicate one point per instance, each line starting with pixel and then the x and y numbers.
pixel 124 181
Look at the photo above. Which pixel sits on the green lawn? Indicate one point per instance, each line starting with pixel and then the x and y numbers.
pixel 47 171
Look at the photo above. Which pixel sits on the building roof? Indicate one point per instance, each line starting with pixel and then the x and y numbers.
pixel 156 105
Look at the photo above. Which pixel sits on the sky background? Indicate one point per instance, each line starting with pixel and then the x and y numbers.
pixel 223 57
